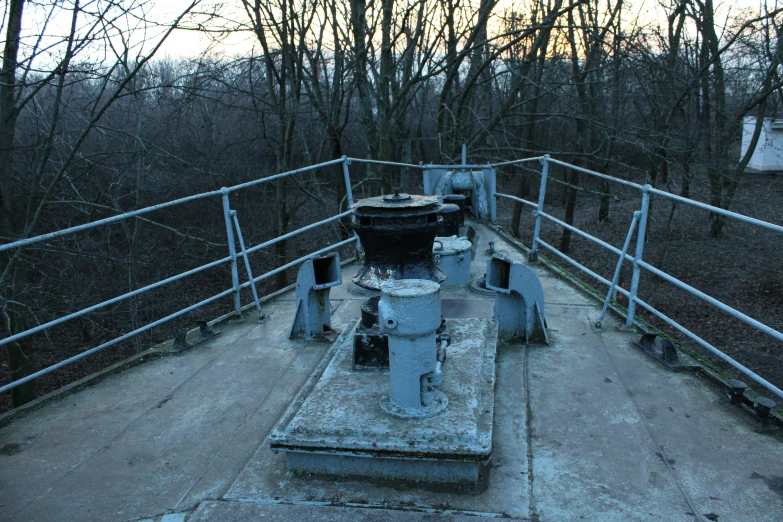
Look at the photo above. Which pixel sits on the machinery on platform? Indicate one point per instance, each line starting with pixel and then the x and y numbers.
pixel 404 395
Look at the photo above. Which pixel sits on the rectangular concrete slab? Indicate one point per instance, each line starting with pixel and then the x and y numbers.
pixel 266 477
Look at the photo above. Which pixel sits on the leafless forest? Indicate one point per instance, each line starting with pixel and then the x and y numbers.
pixel 96 120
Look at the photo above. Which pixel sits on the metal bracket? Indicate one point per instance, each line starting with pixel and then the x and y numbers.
pixel 180 343
pixel 665 351
pixel 312 318
pixel 519 303
pixel 762 406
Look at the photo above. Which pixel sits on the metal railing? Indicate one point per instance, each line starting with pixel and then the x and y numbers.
pixel 639 225
pixel 234 235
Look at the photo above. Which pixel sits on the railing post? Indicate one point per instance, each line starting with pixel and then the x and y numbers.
pixel 347 176
pixel 349 197
pixel 261 314
pixel 638 255
pixel 533 255
pixel 232 251
pixel 618 268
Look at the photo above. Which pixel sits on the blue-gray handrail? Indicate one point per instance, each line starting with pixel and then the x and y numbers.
pixel 637 259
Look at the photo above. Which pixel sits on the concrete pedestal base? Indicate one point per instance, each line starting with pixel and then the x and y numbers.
pixel 335 426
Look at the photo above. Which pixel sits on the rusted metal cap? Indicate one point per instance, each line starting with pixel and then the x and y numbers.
pixel 397 197
pixel 397 205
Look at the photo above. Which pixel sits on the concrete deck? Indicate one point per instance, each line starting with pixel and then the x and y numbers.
pixel 587 428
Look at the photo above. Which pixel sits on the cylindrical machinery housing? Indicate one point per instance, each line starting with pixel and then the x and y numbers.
pixel 397 233
pixel 409 313
pixel 459 200
pixel 450 224
pixel 453 257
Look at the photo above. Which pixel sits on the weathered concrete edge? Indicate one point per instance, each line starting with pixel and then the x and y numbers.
pixel 156 352
pixel 701 364
pixel 387 506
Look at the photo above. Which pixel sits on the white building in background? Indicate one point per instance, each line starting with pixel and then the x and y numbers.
pixel 768 156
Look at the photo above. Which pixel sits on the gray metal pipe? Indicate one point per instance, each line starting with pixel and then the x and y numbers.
pixel 161 283
pixel 165 319
pixel 114 341
pixel 247 264
pixel 347 180
pixel 389 163
pixel 514 162
pixel 539 207
pixel 598 174
pixel 518 200
pixel 232 252
pixel 146 210
pixel 640 235
pixel 618 268
pixel 760 380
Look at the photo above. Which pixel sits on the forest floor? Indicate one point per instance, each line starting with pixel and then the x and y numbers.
pixel 742 268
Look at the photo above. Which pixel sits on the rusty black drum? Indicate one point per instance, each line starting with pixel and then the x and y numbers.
pixel 397 233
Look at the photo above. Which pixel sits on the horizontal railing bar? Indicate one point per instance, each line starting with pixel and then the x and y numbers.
pixel 167 318
pixel 114 341
pixel 580 266
pixel 714 302
pixel 300 260
pixel 716 210
pixel 390 163
pixel 298 231
pixel 111 301
pixel 598 174
pixel 663 275
pixel 518 200
pixel 585 235
pixel 769 386
pixel 671 322
pixel 126 215
pixel 163 282
pixel 105 221
pixel 457 167
pixel 681 199
pixel 513 162
pixel 285 174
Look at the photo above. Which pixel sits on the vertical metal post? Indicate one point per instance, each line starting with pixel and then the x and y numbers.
pixel 346 175
pixel 464 154
pixel 261 314
pixel 232 251
pixel 638 255
pixel 533 255
pixel 349 195
pixel 619 267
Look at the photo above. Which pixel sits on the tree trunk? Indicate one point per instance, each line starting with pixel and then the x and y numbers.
pixel 20 362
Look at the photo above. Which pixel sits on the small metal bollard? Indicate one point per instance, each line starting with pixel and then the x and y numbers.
pixel 736 391
pixel 204 330
pixel 180 341
pixel 763 406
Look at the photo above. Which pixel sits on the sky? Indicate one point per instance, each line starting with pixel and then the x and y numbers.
pixel 186 43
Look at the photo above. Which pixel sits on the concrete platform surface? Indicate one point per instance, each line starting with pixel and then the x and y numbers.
pixel 587 428
pixel 227 511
